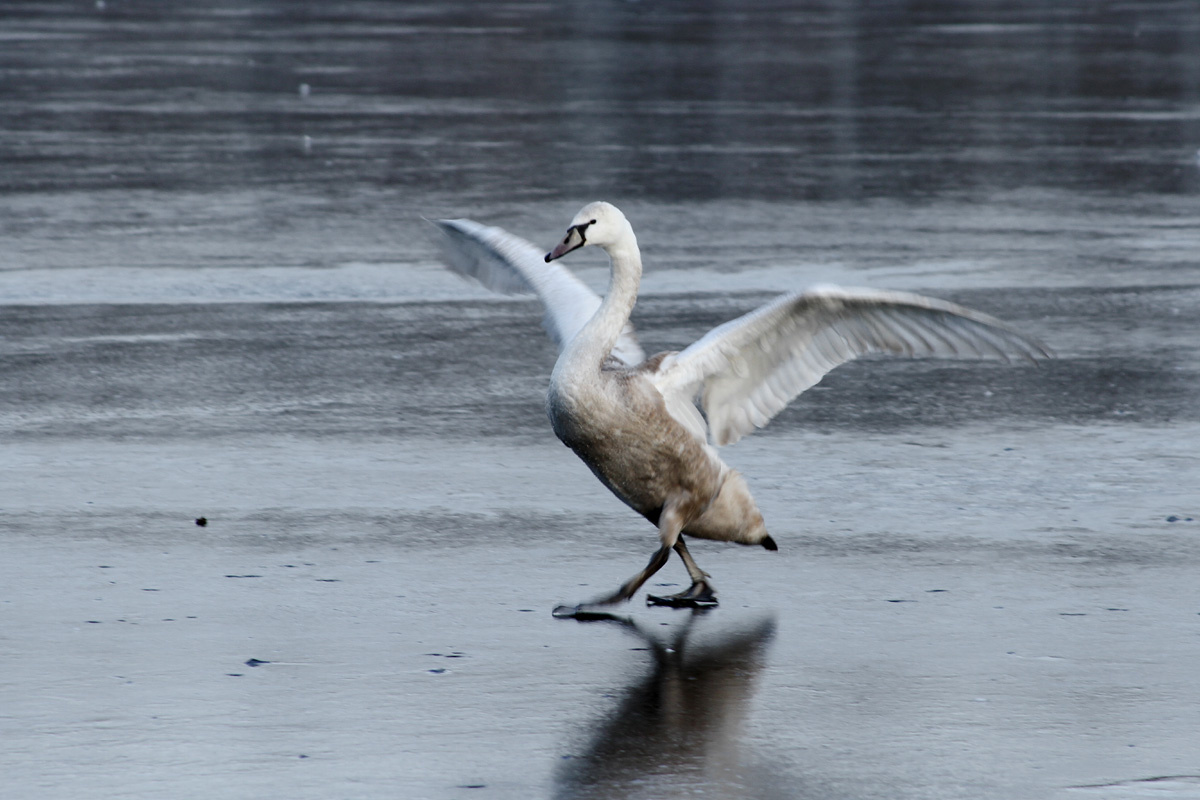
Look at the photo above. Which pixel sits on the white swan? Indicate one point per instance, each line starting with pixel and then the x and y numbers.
pixel 633 420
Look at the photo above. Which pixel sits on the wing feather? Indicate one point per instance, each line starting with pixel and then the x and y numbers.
pixel 747 370
pixel 509 264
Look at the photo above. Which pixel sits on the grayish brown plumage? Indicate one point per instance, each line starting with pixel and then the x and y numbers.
pixel 634 420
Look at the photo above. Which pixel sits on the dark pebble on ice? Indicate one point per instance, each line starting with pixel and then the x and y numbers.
pixel 243 576
pixel 437 671
pixel 256 662
pixel 1174 518
pixel 201 521
pixel 472 786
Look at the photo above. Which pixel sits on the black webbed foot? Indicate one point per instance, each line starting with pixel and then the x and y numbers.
pixel 698 595
pixel 585 612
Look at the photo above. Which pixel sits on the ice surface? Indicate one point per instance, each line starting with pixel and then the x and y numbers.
pixel 218 299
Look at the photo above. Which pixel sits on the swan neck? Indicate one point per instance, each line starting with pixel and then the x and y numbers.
pixel 600 334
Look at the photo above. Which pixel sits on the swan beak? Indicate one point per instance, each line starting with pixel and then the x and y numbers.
pixel 575 240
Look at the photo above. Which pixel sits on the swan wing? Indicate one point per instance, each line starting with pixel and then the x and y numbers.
pixel 511 265
pixel 747 370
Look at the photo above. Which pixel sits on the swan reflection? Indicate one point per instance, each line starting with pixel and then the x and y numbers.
pixel 676 731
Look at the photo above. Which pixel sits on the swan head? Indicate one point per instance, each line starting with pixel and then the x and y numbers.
pixel 600 224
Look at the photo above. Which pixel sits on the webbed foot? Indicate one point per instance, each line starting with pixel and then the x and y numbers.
pixel 698 595
pixel 585 612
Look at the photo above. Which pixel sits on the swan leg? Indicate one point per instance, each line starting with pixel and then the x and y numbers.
pixel 588 610
pixel 670 523
pixel 699 595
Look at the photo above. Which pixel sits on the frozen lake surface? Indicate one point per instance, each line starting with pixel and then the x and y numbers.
pixel 218 299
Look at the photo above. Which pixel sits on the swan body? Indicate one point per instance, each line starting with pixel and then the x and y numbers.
pixel 633 420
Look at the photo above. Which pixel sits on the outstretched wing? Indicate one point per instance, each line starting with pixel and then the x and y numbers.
pixel 511 265
pixel 747 370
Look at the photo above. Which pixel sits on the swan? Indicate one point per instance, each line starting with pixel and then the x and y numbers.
pixel 634 421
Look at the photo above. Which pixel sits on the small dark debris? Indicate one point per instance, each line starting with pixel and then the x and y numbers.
pixel 1174 518
pixel 105 566
pixel 472 786
pixel 1071 614
pixel 931 591
pixel 524 610
pixel 329 580
pixel 234 674
pixel 901 601
pixel 256 662
pixel 438 671
pixel 149 590
pixel 93 622
pixel 243 576
pixel 373 561
pixel 201 521
pixel 302 756
pixel 168 619
pixel 1116 609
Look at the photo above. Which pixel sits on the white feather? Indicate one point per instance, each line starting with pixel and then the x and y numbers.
pixel 747 370
pixel 511 265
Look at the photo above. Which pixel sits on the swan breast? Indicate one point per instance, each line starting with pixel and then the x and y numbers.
pixel 620 427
